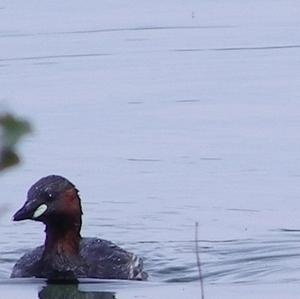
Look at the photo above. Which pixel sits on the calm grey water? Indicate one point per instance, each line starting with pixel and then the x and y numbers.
pixel 162 114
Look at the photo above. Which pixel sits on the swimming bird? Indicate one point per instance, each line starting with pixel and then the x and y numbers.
pixel 66 255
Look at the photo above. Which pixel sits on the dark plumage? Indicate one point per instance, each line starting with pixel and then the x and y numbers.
pixel 65 255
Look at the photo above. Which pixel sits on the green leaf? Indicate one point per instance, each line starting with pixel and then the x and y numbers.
pixel 8 158
pixel 11 130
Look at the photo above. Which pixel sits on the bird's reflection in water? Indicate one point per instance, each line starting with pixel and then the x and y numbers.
pixel 71 291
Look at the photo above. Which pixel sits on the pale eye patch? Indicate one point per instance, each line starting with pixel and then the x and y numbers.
pixel 40 211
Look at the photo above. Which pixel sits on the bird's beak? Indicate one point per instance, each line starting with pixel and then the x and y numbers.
pixel 31 210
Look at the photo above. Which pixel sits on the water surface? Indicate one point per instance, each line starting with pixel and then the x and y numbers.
pixel 162 114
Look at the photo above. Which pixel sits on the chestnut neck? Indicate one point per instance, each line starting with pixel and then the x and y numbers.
pixel 63 228
pixel 63 237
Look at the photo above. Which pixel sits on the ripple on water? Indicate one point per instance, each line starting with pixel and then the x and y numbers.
pixel 232 261
pixel 274 258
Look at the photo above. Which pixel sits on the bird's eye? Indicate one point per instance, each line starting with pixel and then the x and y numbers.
pixel 49 195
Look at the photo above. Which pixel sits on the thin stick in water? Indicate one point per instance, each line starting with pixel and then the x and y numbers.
pixel 198 260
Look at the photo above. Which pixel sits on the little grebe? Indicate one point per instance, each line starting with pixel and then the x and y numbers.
pixel 65 255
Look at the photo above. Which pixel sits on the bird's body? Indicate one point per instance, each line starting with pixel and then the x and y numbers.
pixel 98 258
